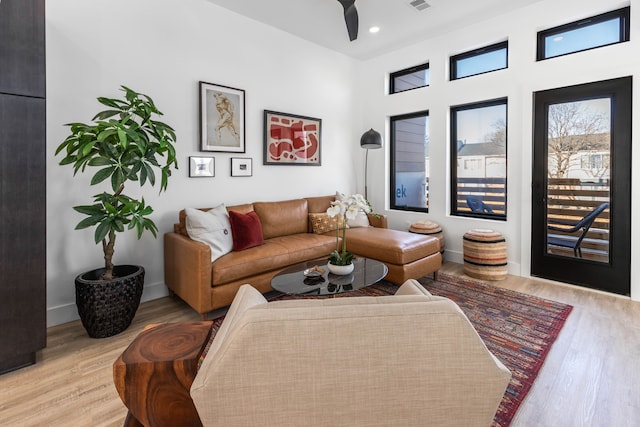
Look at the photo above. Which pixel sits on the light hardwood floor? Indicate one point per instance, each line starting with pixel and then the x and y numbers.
pixel 590 378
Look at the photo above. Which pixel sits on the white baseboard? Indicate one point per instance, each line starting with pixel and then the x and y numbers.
pixel 68 312
pixel 513 268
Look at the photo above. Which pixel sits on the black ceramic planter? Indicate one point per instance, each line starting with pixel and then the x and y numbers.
pixel 107 308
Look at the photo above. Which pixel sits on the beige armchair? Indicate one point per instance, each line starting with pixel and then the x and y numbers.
pixel 411 359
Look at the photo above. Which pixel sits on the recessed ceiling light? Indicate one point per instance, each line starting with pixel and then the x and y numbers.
pixel 374 29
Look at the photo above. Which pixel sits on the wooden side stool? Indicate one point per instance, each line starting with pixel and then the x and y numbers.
pixel 154 374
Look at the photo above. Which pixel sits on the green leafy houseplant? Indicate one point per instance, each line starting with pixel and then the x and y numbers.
pixel 127 144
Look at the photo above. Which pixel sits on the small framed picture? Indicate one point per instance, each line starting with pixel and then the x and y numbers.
pixel 241 166
pixel 222 122
pixel 291 140
pixel 202 167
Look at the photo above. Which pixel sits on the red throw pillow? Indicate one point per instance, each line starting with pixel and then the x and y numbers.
pixel 246 230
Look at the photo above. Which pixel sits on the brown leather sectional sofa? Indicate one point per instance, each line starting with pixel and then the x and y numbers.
pixel 288 240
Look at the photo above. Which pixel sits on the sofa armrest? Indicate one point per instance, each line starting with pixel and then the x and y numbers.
pixel 377 220
pixel 187 270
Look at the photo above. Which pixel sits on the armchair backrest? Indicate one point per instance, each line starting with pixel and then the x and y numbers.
pixel 407 359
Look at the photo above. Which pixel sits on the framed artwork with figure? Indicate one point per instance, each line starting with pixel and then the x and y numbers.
pixel 222 118
pixel 290 139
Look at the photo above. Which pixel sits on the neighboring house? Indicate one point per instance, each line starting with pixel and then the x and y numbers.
pixel 481 160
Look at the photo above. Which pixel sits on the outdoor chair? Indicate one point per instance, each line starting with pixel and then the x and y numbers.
pixel 569 227
pixel 476 205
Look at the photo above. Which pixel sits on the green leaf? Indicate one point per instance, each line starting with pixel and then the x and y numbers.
pixel 99 161
pixel 150 174
pixel 102 136
pixel 117 179
pixel 105 114
pixel 86 149
pixel 89 209
pixel 101 231
pixel 110 102
pixel 89 222
pixel 102 174
pixel 122 136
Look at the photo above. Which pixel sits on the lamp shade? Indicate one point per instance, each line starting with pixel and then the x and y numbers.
pixel 371 140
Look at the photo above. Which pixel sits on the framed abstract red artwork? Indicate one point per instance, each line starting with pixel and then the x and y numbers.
pixel 290 139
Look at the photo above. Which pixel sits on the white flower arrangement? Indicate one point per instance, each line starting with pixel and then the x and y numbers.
pixel 347 208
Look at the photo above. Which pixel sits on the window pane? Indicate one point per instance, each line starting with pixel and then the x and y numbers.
pixel 480 61
pixel 410 162
pixel 579 176
pixel 583 38
pixel 479 172
pixel 479 64
pixel 412 78
pixel 601 30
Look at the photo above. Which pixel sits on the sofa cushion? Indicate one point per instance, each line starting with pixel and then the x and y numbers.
pixel 282 218
pixel 307 246
pixel 274 254
pixel 393 246
pixel 320 203
pixel 211 228
pixel 246 230
pixel 322 223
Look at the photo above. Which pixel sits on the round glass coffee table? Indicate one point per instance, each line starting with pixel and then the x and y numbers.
pixel 292 280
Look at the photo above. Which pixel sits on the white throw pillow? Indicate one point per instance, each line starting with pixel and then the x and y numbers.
pixel 361 219
pixel 211 228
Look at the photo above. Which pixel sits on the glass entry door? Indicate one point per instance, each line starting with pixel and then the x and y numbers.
pixel 581 195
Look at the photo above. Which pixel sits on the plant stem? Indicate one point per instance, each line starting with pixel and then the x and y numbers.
pixel 344 234
pixel 108 248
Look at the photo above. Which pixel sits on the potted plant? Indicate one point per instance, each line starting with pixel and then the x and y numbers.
pixel 345 208
pixel 126 144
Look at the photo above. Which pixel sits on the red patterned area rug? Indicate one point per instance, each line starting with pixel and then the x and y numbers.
pixel 517 328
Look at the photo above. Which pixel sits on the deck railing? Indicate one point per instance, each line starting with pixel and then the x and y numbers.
pixel 571 199
pixel 492 191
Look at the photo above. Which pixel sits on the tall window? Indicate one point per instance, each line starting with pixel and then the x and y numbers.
pixel 410 162
pixel 479 159
pixel 601 30
pixel 479 61
pixel 411 78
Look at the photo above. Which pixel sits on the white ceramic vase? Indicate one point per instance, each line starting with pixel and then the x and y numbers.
pixel 341 270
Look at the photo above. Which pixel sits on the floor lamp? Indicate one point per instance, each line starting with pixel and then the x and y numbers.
pixel 370 140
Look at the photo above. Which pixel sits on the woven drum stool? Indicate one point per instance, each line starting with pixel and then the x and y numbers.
pixel 485 254
pixel 429 228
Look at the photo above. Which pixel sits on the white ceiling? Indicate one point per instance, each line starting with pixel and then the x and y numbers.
pixel 322 21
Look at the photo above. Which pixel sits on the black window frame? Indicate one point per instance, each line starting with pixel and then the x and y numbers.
pixel 406 71
pixel 624 31
pixel 392 159
pixel 453 60
pixel 453 166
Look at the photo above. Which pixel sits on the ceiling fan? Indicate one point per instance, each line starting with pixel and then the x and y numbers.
pixel 351 18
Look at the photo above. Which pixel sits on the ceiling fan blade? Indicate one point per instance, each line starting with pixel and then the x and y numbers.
pixel 351 18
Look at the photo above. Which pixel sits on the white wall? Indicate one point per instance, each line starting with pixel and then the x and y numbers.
pixel 523 77
pixel 163 48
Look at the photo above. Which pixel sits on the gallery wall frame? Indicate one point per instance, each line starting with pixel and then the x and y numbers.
pixel 222 118
pixel 202 167
pixel 291 139
pixel 241 166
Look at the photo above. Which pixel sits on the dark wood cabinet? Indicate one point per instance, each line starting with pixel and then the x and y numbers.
pixel 22 183
pixel 22 47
